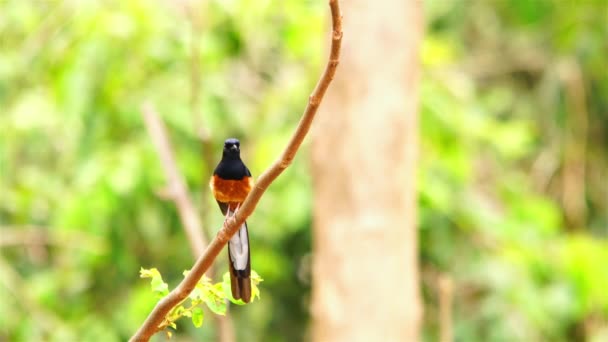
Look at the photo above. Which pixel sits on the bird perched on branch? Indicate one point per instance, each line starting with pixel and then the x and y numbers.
pixel 230 184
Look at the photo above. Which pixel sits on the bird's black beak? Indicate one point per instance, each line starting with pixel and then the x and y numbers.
pixel 234 148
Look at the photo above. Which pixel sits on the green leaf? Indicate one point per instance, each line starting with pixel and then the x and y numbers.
pixel 196 294
pixel 197 317
pixel 226 285
pixel 217 305
pixel 157 284
pixel 255 280
pixel 181 311
pixel 148 273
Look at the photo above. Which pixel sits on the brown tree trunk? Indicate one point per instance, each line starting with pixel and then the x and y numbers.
pixel 365 285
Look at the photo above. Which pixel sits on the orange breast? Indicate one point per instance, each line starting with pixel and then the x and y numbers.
pixel 230 190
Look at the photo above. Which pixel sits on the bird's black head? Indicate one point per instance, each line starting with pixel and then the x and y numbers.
pixel 232 148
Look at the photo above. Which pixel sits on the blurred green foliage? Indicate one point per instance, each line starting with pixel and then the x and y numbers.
pixel 512 176
pixel 514 127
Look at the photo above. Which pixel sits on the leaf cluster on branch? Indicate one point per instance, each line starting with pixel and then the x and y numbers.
pixel 214 296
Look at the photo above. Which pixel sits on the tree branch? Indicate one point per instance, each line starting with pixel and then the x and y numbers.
pixel 177 187
pixel 232 224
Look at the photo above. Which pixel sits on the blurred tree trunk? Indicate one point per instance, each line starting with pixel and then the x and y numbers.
pixel 365 273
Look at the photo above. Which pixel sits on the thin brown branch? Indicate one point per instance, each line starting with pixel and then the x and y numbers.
pixel 150 325
pixel 177 187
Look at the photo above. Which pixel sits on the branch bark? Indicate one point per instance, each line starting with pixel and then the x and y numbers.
pixel 231 225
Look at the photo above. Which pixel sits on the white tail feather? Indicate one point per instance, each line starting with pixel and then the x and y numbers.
pixel 239 247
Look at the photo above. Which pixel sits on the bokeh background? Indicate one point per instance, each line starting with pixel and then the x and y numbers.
pixel 512 174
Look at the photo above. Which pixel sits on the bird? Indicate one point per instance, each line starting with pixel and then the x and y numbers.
pixel 230 183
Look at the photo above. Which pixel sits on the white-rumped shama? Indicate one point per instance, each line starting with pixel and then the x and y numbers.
pixel 230 184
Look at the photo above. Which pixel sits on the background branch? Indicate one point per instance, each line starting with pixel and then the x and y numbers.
pixel 231 225
pixel 195 12
pixel 178 192
pixel 176 185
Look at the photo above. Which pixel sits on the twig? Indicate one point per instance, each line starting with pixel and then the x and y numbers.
pixel 177 187
pixel 231 225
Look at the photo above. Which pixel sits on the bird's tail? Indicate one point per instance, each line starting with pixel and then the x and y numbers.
pixel 240 264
